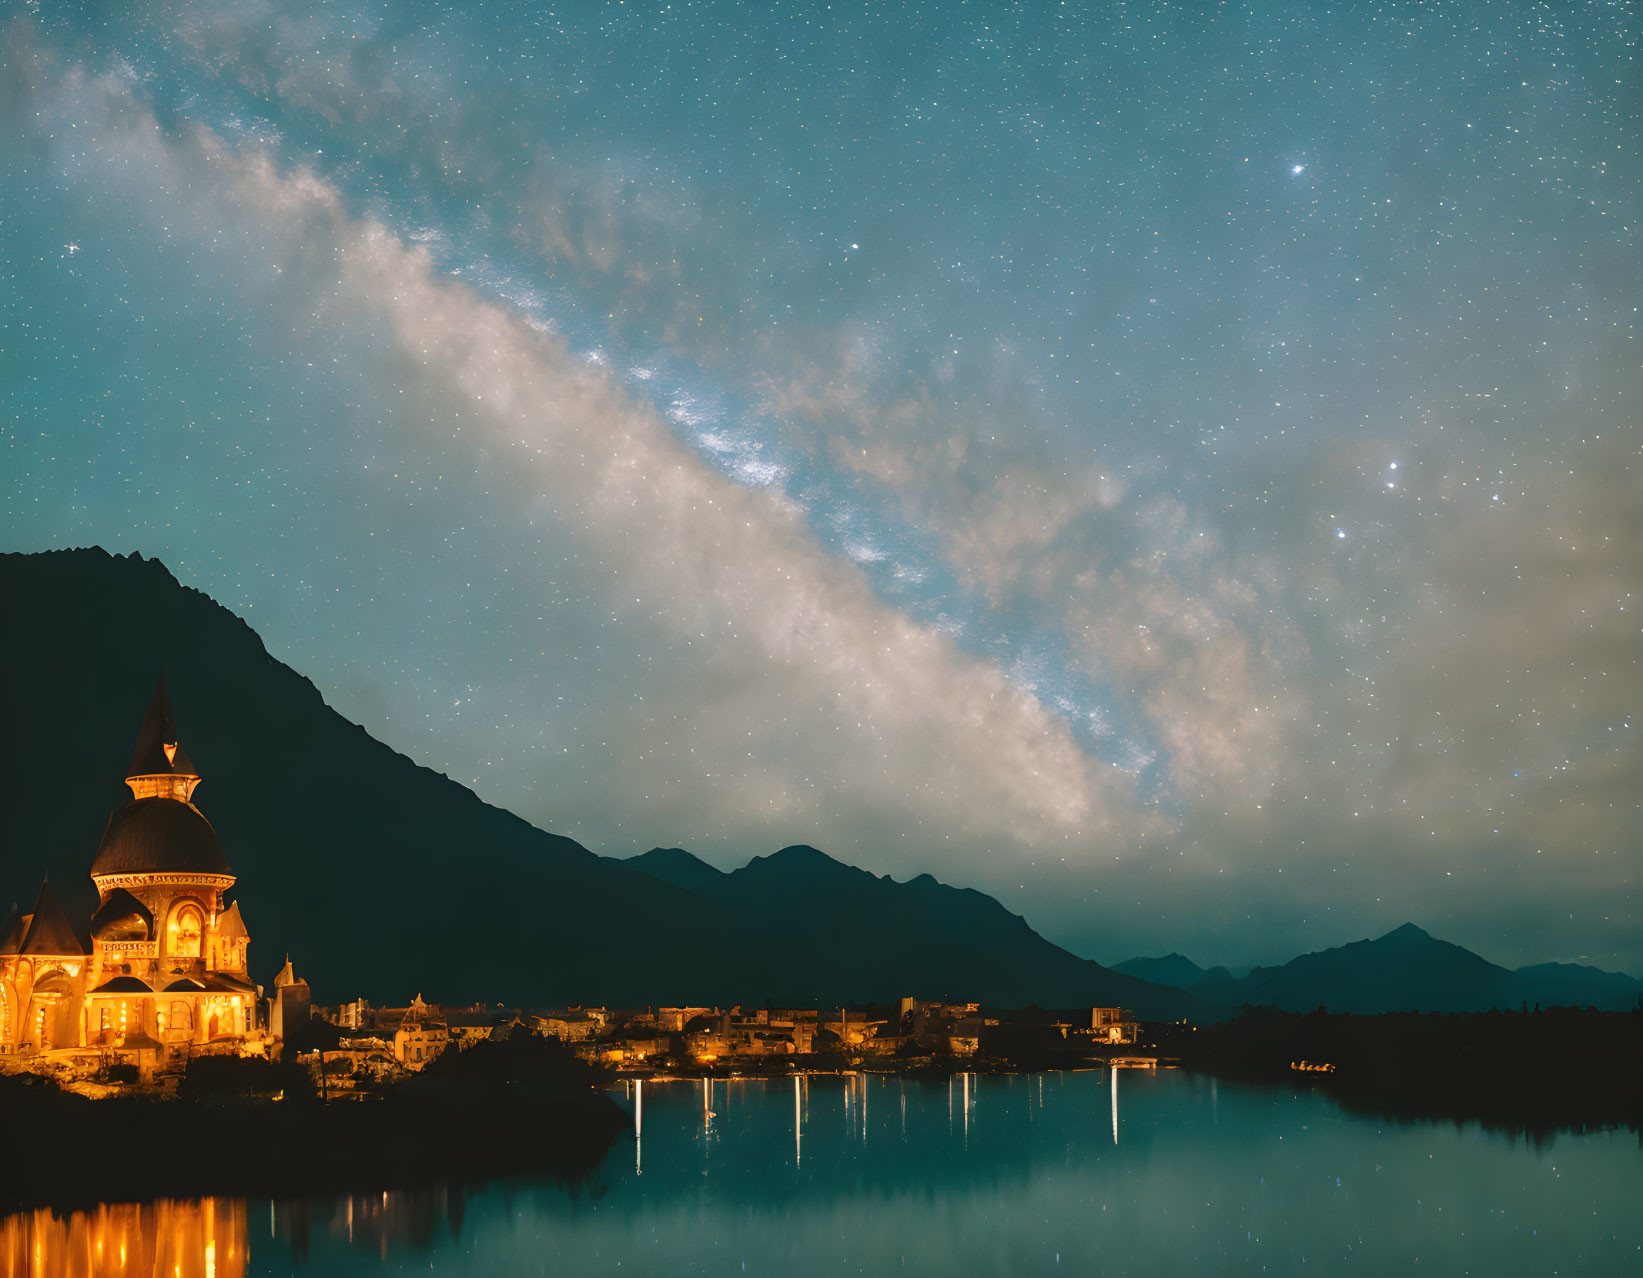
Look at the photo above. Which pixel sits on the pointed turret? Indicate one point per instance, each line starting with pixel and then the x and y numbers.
pixel 289 1012
pixel 231 927
pixel 232 939
pixel 50 932
pixel 159 765
pixel 160 831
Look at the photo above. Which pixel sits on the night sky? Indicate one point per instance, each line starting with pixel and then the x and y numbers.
pixel 1174 467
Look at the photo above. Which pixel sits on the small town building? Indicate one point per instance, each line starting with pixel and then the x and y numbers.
pixel 674 1019
pixel 1113 1025
pixel 291 1007
pixel 626 1047
pixel 853 1029
pixel 421 1036
pixel 466 1026
pixel 354 1015
pixel 573 1026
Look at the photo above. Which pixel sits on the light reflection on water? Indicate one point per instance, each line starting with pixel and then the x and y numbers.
pixel 976 1174
pixel 205 1239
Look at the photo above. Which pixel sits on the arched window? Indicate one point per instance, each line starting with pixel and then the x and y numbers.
pixel 182 934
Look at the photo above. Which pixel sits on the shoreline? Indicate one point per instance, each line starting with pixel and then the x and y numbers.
pixel 514 1111
pixel 523 1109
pixel 285 1149
pixel 793 1067
pixel 1539 1072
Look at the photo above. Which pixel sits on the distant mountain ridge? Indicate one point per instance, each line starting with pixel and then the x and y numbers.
pixel 384 878
pixel 1405 970
pixel 946 941
pixel 1175 970
pixel 1576 985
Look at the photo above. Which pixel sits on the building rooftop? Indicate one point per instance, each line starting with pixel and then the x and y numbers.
pixel 159 836
pixel 157 752
pixel 49 930
pixel 123 985
pixel 123 918
pixel 230 926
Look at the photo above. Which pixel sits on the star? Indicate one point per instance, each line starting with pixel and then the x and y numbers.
pixel 992 457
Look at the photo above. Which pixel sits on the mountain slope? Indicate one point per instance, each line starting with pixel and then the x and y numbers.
pixel 678 867
pixel 1410 970
pixel 1405 968
pixel 921 937
pixel 1576 985
pixel 385 878
pixel 1175 970
pixel 378 875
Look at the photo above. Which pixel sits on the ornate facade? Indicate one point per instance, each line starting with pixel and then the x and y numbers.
pixel 162 966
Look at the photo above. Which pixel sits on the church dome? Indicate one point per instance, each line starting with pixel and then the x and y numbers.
pixel 159 836
pixel 123 918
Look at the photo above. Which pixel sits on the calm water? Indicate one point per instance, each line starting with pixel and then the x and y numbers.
pixel 987 1176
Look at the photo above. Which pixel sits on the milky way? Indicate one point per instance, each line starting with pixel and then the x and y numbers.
pixel 1175 469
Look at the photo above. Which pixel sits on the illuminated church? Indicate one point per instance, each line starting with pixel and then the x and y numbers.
pixel 163 966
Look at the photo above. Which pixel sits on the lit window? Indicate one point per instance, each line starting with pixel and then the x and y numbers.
pixel 183 933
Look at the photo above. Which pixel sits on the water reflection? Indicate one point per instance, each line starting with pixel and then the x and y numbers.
pixel 1011 1175
pixel 210 1237
pixel 1113 1073
pixel 180 1238
pixel 369 1223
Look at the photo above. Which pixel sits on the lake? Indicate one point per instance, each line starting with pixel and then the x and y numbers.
pixel 1140 1174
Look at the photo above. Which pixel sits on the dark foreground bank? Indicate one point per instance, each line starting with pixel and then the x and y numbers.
pixel 502 1109
pixel 1534 1071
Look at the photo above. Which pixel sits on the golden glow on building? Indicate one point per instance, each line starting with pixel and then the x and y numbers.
pixel 165 972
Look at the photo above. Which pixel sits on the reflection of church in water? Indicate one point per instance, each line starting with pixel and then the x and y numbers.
pixel 207 1238
pixel 213 1237
pixel 163 966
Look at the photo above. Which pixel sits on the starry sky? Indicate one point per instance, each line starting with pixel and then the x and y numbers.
pixel 1174 467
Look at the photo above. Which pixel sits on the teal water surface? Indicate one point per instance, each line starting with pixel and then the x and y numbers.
pixel 1014 1175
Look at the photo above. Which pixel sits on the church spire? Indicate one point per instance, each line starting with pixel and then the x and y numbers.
pixel 49 930
pixel 159 765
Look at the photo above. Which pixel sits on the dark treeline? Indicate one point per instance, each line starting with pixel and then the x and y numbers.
pixel 1533 1071
pixel 509 1107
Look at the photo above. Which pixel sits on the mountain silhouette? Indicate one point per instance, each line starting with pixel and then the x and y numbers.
pixel 1409 970
pixel 1576 985
pixel 678 867
pixel 383 878
pixel 939 941
pixel 1175 970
